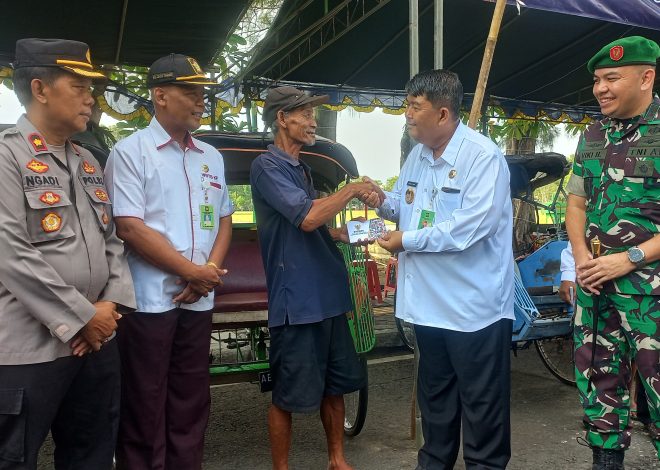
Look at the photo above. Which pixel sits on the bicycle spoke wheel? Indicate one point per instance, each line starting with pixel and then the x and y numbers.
pixel 406 333
pixel 557 356
pixel 356 411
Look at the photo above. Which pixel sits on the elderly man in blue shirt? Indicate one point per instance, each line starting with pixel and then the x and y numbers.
pixel 455 281
pixel 312 357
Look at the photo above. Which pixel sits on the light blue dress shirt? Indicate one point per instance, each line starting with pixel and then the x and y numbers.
pixel 567 266
pixel 457 274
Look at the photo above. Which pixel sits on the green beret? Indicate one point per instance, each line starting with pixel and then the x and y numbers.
pixel 633 50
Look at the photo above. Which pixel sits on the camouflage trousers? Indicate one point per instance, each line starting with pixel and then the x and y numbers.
pixel 628 328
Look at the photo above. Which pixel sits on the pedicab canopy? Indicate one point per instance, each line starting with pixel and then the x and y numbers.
pixel 358 52
pixel 123 31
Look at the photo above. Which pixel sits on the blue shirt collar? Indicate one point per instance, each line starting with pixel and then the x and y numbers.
pixel 451 151
pixel 278 152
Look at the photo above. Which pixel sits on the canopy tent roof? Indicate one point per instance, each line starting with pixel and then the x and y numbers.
pixel 539 59
pixel 124 32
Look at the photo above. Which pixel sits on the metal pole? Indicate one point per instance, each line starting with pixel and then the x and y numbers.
pixel 414 37
pixel 486 62
pixel 415 416
pixel 438 33
pixel 214 104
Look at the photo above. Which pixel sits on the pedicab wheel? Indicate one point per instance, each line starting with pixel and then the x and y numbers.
pixel 406 333
pixel 356 411
pixel 557 356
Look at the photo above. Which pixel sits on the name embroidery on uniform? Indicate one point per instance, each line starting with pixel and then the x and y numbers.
pixel 37 166
pixel 51 223
pixel 49 198
pixel 31 181
pixel 88 168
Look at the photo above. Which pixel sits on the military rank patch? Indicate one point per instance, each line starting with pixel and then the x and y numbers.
pixel 51 223
pixel 102 195
pixel 37 166
pixel 49 198
pixel 38 143
pixel 104 218
pixel 88 168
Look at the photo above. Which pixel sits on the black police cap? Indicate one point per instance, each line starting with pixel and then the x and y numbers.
pixel 72 56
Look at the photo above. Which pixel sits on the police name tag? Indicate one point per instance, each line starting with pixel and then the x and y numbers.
pixel 265 381
pixel 206 212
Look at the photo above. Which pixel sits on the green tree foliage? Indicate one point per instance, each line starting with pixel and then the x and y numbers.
pixel 389 183
pixel 241 196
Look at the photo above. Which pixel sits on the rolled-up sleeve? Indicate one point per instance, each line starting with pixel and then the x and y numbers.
pixel 276 187
pixel 486 192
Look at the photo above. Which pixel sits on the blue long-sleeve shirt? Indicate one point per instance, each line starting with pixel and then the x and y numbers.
pixel 457 274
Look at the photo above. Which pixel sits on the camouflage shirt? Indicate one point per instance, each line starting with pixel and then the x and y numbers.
pixel 619 162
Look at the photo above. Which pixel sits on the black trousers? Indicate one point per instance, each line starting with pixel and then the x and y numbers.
pixel 77 399
pixel 465 380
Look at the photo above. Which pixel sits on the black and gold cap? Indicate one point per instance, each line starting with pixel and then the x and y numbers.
pixel 176 69
pixel 72 56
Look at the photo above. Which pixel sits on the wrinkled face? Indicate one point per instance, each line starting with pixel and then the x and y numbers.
pixel 183 105
pixel 300 125
pixel 68 102
pixel 423 119
pixel 619 91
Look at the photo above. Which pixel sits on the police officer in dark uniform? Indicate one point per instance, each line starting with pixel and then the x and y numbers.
pixel 613 222
pixel 63 276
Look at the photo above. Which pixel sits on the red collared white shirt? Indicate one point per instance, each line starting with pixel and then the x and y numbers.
pixel 150 177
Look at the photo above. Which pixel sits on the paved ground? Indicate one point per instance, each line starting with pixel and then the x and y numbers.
pixel 545 422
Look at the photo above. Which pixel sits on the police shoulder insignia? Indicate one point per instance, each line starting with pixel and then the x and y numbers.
pixel 51 223
pixel 38 142
pixel 88 167
pixel 104 218
pixel 102 195
pixel 37 166
pixel 49 198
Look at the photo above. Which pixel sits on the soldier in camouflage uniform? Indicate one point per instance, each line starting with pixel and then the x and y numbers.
pixel 615 198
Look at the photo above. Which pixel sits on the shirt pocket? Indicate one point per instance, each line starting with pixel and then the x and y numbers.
pixel 447 203
pixel 100 202
pixel 13 419
pixel 641 183
pixel 49 215
pixel 592 173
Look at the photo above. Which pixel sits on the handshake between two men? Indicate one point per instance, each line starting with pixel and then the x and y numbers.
pixel 373 196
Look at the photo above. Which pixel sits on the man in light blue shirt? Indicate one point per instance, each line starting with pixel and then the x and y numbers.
pixel 455 281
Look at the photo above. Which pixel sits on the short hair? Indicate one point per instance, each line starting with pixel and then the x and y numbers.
pixel 440 87
pixel 23 77
pixel 274 126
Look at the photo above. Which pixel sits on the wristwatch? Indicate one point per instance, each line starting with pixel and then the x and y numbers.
pixel 637 256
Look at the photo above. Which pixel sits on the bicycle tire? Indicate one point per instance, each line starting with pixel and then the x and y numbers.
pixel 557 356
pixel 355 406
pixel 406 333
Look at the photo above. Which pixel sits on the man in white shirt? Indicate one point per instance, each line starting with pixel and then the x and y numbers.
pixel 173 212
pixel 567 267
pixel 455 281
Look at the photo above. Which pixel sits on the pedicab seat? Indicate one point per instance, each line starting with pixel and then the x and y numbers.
pixel 244 286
